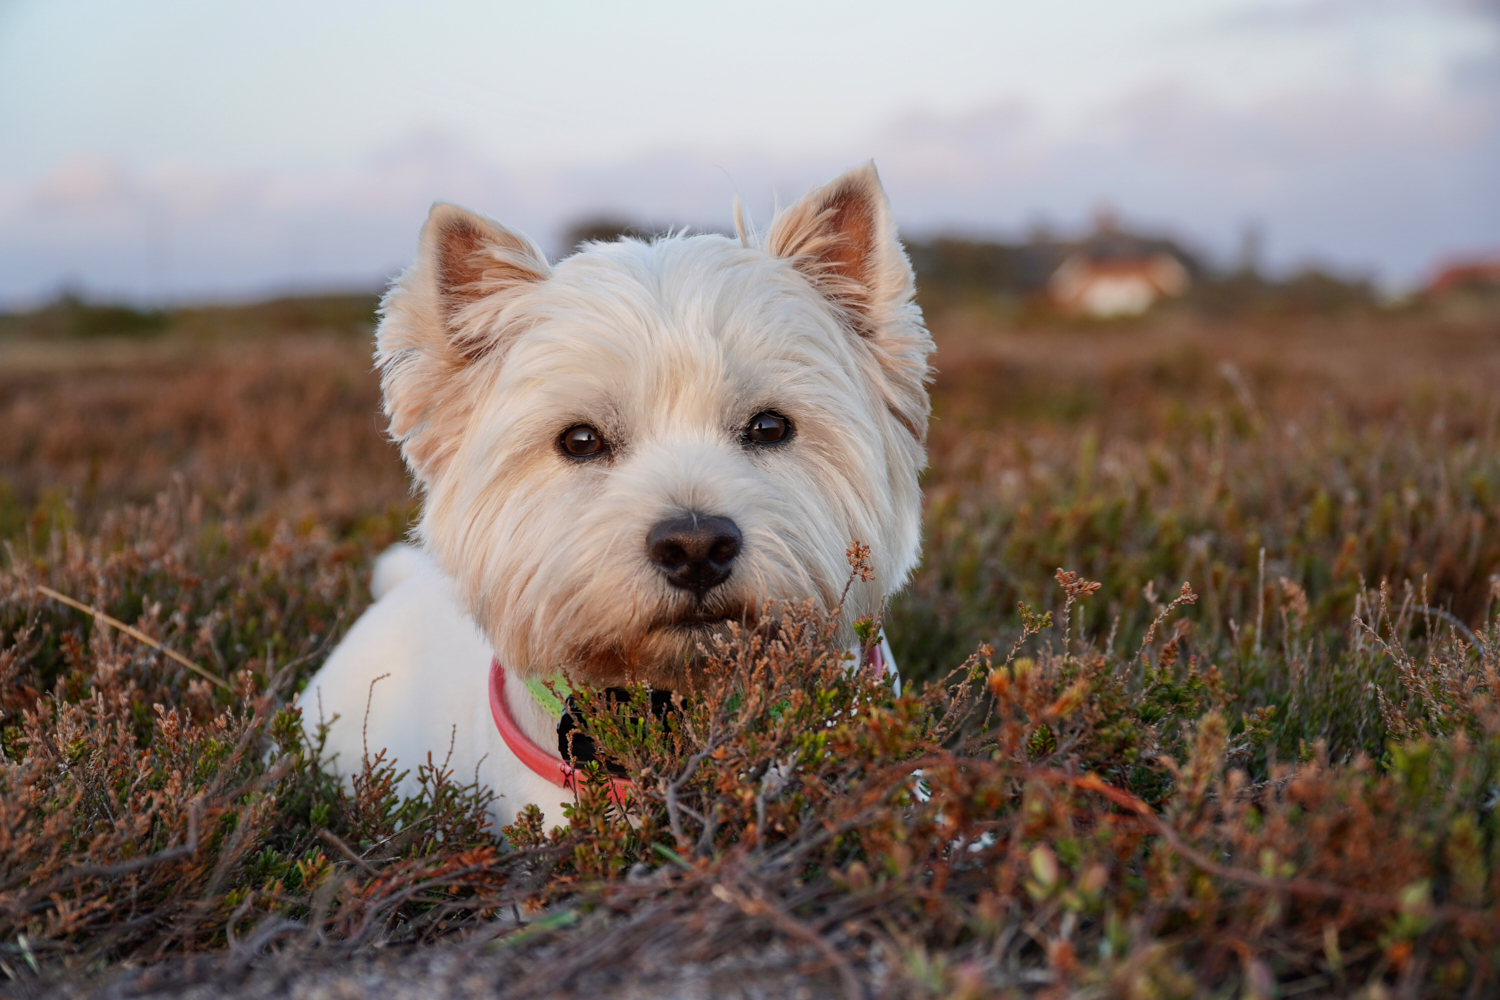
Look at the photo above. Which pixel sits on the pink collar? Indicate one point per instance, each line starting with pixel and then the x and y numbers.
pixel 542 763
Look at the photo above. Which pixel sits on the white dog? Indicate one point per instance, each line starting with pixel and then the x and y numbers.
pixel 619 455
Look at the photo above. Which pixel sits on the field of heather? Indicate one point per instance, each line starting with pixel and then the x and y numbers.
pixel 1204 664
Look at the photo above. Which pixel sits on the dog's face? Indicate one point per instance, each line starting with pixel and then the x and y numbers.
pixel 656 438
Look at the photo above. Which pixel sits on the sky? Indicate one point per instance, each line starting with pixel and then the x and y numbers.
pixel 172 151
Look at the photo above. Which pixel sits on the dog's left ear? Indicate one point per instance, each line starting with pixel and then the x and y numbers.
pixel 842 238
pixel 447 313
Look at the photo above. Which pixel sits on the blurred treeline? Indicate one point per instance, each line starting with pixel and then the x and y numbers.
pixel 1011 278
pixel 73 316
pixel 1006 281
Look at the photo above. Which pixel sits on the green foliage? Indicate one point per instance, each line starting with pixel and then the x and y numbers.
pixel 71 317
pixel 93 321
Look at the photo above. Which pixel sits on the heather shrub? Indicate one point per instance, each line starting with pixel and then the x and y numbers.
pixel 1246 745
pixel 1070 819
pixel 1063 816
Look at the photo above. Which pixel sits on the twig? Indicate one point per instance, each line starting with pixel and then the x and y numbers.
pixel 136 634
pixel 1453 620
pixel 347 851
pixel 1185 596
pixel 1236 380
pixel 1260 601
pixel 789 924
pixel 671 788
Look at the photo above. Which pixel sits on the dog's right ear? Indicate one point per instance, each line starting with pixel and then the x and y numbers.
pixel 445 314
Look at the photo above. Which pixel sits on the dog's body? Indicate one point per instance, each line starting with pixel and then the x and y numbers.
pixel 619 456
pixel 432 663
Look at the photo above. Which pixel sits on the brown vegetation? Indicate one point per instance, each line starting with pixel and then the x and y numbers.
pixel 1277 778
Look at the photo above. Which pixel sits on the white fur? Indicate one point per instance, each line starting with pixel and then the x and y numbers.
pixel 668 348
pixel 420 667
pixel 398 563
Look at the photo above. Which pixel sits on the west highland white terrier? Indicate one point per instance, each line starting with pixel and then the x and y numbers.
pixel 620 454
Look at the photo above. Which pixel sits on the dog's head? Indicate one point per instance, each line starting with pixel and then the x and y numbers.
pixel 624 452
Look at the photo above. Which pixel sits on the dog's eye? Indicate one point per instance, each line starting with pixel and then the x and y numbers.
pixel 767 428
pixel 581 441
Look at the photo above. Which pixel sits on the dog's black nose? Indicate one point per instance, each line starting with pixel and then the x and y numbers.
pixel 695 551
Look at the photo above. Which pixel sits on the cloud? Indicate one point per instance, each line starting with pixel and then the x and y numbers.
pixel 1264 15
pixel 1483 8
pixel 1267 16
pixel 1368 178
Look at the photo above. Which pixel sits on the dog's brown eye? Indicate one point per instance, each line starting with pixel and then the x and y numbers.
pixel 582 441
pixel 767 428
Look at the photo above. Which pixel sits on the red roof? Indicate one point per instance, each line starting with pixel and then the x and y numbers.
pixel 1467 274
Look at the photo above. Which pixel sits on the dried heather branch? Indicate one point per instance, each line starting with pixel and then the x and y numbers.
pixel 135 634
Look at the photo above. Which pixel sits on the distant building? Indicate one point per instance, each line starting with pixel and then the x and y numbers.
pixel 1481 276
pixel 1108 272
pixel 1114 273
pixel 1102 287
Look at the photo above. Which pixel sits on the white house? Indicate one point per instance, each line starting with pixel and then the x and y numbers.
pixel 1085 286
